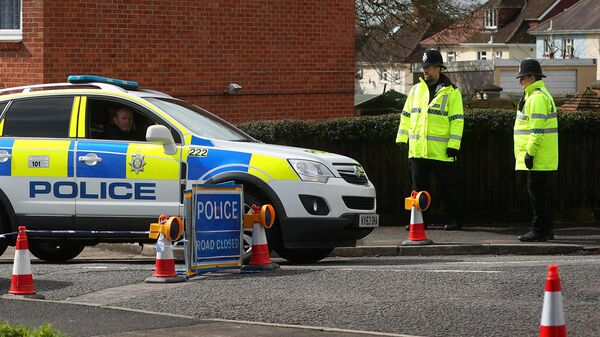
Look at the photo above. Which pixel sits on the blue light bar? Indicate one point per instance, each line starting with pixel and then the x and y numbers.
pixel 127 85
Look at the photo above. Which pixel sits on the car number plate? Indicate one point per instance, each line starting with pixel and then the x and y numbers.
pixel 368 220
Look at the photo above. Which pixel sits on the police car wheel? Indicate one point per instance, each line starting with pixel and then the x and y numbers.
pixel 53 251
pixel 252 197
pixel 303 255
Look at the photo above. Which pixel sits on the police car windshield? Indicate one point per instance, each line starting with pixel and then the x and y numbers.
pixel 200 121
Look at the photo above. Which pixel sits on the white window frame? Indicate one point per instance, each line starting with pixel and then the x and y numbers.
pixel 451 56
pixel 14 35
pixel 491 18
pixel 482 55
pixel 567 48
pixel 498 55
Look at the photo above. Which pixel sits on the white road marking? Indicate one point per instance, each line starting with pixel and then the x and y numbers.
pixel 310 327
pixel 425 270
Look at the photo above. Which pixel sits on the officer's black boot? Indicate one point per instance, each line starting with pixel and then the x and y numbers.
pixel 535 236
pixel 453 226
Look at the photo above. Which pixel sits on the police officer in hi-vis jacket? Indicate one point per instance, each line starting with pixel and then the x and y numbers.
pixel 536 147
pixel 432 125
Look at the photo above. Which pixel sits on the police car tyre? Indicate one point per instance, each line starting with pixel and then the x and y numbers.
pixel 252 197
pixel 303 255
pixel 53 251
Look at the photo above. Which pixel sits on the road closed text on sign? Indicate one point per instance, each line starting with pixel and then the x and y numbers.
pixel 216 214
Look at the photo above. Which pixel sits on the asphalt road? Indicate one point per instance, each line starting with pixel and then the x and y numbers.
pixel 415 296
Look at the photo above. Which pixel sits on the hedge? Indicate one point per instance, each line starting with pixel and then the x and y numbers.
pixel 494 192
pixel 385 127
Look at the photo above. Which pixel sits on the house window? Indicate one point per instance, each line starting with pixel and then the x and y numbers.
pixel 548 47
pixel 397 75
pixel 451 57
pixel 10 20
pixel 491 16
pixel 383 75
pixel 567 48
pixel 498 55
pixel 360 74
pixel 481 55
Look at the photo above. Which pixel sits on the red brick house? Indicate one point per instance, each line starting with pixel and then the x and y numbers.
pixel 293 59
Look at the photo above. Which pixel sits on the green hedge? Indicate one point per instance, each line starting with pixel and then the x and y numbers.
pixel 47 330
pixel 493 191
pixel 385 127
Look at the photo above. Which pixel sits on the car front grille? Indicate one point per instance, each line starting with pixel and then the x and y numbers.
pixel 359 202
pixel 351 173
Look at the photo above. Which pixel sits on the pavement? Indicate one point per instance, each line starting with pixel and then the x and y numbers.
pixel 498 239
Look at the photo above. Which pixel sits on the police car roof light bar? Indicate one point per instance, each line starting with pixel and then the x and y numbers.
pixel 28 88
pixel 79 79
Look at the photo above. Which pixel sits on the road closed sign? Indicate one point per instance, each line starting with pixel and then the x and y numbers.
pixel 214 218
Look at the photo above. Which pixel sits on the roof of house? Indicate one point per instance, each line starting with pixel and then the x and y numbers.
pixel 513 32
pixel 583 16
pixel 588 101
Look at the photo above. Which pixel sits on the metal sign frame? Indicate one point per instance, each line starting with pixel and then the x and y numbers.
pixel 204 233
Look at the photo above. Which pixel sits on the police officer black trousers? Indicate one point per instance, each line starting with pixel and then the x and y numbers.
pixel 538 186
pixel 447 175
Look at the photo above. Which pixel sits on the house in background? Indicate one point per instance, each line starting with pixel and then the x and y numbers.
pixel 573 34
pixel 293 59
pixel 498 31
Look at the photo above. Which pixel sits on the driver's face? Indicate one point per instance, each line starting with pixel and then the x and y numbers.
pixel 124 120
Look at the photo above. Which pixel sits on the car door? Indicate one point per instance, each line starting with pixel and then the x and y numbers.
pixel 124 184
pixel 36 160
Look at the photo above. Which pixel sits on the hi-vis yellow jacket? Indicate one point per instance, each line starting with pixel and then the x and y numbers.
pixel 536 130
pixel 430 128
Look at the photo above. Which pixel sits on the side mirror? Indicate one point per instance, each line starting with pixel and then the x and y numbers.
pixel 162 135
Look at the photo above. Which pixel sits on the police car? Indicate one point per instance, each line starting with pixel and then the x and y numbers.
pixel 63 172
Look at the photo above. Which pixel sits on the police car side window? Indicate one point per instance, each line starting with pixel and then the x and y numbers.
pixel 39 117
pixel 2 107
pixel 101 122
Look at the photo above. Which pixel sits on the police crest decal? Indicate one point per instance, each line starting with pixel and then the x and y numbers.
pixel 137 163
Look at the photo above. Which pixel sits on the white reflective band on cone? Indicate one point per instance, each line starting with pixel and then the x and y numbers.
pixel 416 217
pixel 258 235
pixel 162 253
pixel 21 265
pixel 553 314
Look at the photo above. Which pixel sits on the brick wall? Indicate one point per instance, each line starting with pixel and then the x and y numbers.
pixel 22 63
pixel 294 59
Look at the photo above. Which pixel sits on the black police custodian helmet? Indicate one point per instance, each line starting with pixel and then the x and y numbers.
pixel 530 67
pixel 432 57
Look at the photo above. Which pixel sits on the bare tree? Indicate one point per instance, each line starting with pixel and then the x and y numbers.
pixel 389 31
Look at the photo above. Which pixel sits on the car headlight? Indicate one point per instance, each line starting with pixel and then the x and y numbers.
pixel 311 170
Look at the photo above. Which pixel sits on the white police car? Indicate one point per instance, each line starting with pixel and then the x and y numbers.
pixel 96 155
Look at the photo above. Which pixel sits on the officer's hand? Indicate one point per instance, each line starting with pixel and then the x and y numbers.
pixel 528 161
pixel 452 153
pixel 402 146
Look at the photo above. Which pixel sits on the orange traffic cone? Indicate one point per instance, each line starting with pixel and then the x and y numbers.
pixel 164 269
pixel 416 235
pixel 21 283
pixel 553 318
pixel 260 259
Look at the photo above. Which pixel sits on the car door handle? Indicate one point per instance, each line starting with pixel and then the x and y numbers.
pixel 90 159
pixel 4 156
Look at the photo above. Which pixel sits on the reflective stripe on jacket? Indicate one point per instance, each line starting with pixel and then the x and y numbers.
pixel 536 130
pixel 430 128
